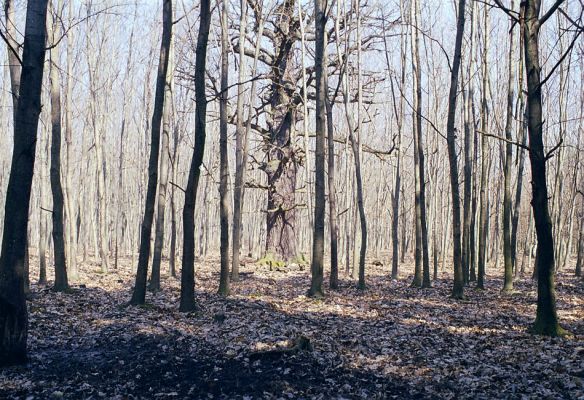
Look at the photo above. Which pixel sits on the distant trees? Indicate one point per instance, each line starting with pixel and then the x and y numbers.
pixel 13 312
pixel 287 115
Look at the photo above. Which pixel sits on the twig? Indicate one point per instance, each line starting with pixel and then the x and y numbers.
pixel 504 140
pixel 177 186
pixel 550 153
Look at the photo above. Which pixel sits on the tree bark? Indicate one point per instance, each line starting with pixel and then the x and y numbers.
pixel 240 134
pixel 458 288
pixel 61 282
pixel 316 289
pixel 163 172
pixel 224 161
pixel 468 178
pixel 484 210
pixel 187 288
pixel 71 226
pixel 419 145
pixel 13 313
pixel 507 247
pixel 139 294
pixel 546 321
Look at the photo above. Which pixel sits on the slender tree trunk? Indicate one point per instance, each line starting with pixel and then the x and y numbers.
pixel 316 289
pixel 580 256
pixel 418 247
pixel 333 218
pixel 458 288
pixel 61 283
pixel 72 231
pixel 522 127
pixel 468 181
pixel 224 161
pixel 507 247
pixel 13 313
pixel 139 293
pixel 187 289
pixel 419 143
pixel 484 210
pixel 239 151
pixel 121 218
pixel 163 172
pixel 172 253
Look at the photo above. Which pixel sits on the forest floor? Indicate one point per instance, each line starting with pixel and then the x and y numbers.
pixel 390 341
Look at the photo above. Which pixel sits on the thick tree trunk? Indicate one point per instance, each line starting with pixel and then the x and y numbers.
pixel 139 294
pixel 458 288
pixel 187 288
pixel 224 161
pixel 13 313
pixel 281 166
pixel 61 282
pixel 316 289
pixel 546 321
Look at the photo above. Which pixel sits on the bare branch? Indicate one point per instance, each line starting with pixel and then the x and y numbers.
pixel 504 140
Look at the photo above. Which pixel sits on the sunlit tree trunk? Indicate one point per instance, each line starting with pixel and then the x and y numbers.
pixel 239 150
pixel 61 282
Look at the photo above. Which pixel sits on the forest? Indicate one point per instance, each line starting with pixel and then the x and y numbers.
pixel 282 199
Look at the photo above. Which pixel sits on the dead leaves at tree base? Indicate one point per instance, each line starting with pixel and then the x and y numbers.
pixel 391 341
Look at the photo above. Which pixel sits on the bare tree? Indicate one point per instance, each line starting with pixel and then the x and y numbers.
pixel 13 313
pixel 546 321
pixel 484 210
pixel 163 172
pixel 239 150
pixel 224 161
pixel 507 248
pixel 139 294
pixel 316 289
pixel 458 288
pixel 61 283
pixel 187 288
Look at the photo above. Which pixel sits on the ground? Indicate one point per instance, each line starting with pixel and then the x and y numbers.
pixel 390 341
